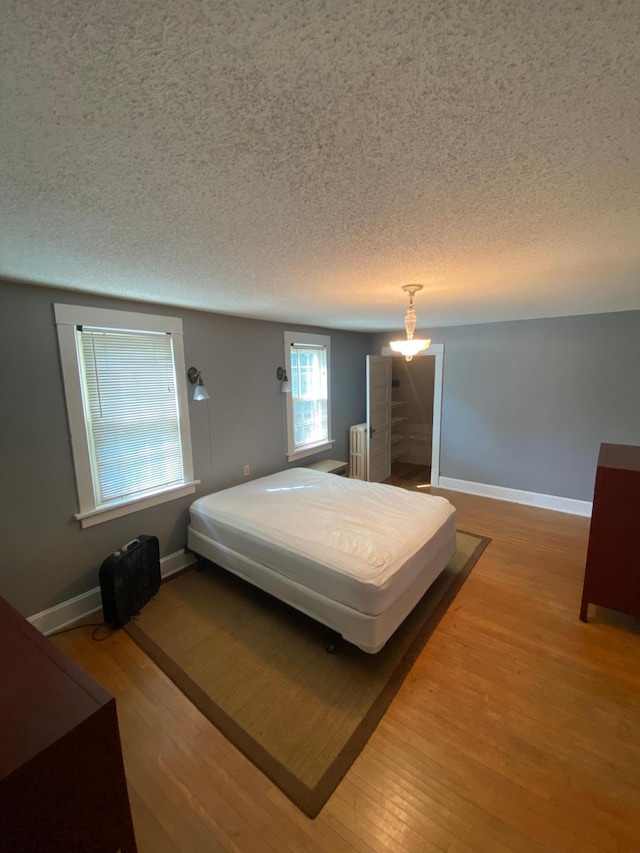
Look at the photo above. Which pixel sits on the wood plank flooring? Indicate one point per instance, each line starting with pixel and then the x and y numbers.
pixel 518 728
pixel 408 474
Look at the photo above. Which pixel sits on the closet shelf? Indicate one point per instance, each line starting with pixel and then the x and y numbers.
pixel 395 421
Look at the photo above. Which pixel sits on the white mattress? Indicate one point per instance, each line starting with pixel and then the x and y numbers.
pixel 360 544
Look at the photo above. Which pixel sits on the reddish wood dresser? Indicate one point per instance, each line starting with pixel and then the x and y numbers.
pixel 62 784
pixel 612 572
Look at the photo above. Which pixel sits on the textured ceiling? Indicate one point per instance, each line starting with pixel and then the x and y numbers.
pixel 301 161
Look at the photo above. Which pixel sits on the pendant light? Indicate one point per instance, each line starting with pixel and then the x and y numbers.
pixel 411 346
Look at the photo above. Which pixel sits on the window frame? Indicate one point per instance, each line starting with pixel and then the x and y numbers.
pixel 67 318
pixel 302 338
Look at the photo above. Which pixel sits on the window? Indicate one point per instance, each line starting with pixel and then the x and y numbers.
pixel 127 406
pixel 308 404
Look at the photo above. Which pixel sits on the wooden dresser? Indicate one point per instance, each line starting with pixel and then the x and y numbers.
pixel 612 572
pixel 62 784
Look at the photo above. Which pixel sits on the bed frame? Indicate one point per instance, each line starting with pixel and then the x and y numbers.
pixel 279 534
pixel 369 633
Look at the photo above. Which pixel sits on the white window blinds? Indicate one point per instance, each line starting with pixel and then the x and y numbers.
pixel 131 412
pixel 309 393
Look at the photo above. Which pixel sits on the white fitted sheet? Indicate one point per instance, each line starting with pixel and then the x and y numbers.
pixel 356 543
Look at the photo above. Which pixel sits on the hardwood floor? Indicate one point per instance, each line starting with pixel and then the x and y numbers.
pixel 409 475
pixel 518 728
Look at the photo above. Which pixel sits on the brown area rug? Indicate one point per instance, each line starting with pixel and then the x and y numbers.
pixel 260 672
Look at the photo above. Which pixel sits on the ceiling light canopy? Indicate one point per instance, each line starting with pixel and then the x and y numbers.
pixel 411 346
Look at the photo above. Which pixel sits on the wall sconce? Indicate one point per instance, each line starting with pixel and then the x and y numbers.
pixel 199 392
pixel 285 385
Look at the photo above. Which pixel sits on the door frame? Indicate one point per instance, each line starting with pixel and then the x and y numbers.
pixel 436 350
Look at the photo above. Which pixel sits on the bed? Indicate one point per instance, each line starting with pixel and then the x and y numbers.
pixel 353 555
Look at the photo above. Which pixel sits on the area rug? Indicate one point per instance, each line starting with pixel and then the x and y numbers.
pixel 260 671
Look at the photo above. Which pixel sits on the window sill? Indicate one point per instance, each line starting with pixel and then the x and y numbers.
pixel 116 510
pixel 309 451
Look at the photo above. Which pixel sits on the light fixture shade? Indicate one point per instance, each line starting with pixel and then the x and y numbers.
pixel 200 392
pixel 410 347
pixel 195 377
pixel 285 385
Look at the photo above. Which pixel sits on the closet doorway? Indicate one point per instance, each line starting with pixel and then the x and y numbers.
pixel 416 405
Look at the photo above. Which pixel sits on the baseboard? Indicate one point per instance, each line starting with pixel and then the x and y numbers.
pixel 62 615
pixel 569 505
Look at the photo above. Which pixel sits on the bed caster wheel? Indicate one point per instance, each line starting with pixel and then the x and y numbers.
pixel 334 644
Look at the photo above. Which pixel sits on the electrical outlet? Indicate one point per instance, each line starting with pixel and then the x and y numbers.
pixel 246 470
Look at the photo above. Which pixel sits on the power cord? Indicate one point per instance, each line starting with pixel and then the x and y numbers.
pixel 94 633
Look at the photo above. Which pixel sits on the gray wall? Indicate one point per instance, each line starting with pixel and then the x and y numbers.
pixel 46 557
pixel 527 403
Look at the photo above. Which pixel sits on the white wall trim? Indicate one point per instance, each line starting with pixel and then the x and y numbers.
pixel 68 318
pixel 62 615
pixel 291 339
pixel 76 315
pixel 108 513
pixel 570 505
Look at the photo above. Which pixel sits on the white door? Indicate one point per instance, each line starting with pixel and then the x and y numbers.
pixel 378 418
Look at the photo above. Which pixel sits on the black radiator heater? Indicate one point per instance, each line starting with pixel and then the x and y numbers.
pixel 128 579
